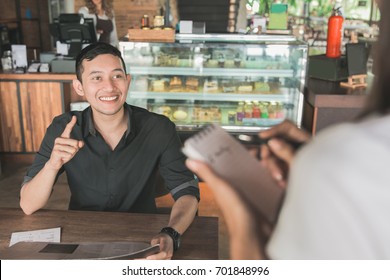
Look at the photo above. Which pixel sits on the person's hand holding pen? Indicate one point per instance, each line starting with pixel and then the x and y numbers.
pixel 277 154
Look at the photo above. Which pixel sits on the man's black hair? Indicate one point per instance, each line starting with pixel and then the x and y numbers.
pixel 93 50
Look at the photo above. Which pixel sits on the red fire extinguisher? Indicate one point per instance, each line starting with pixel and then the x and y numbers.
pixel 335 29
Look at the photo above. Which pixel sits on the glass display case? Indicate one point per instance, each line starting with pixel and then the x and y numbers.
pixel 242 82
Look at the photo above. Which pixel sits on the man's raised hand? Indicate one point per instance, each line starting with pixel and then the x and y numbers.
pixel 65 147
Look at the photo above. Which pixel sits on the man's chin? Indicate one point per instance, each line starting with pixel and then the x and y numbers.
pixel 107 111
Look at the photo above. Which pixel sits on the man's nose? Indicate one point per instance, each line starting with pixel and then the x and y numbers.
pixel 109 85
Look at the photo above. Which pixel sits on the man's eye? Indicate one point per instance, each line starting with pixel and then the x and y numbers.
pixel 118 76
pixel 96 78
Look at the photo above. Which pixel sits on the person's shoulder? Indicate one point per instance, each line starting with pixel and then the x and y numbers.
pixel 346 142
pixel 331 140
pixel 334 134
pixel 350 134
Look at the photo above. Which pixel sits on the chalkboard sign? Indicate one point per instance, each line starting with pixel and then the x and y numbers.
pixel 357 55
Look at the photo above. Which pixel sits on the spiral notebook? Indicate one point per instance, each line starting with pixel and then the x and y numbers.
pixel 232 162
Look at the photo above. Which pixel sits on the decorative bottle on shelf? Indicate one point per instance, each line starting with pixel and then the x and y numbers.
pixel 256 113
pixel 272 110
pixel 280 114
pixel 248 110
pixel 232 117
pixel 264 110
pixel 145 24
pixel 240 112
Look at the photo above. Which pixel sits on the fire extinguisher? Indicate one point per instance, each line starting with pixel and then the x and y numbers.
pixel 335 29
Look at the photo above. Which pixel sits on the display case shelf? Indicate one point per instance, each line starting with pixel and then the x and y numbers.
pixel 202 71
pixel 283 96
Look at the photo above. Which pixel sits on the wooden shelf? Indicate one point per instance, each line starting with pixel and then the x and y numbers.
pixel 151 35
pixel 37 77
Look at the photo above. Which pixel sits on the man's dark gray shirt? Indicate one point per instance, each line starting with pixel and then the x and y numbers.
pixel 123 179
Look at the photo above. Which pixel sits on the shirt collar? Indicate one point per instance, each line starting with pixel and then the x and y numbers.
pixel 89 127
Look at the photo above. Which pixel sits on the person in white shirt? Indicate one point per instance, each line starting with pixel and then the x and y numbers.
pixel 102 13
pixel 337 186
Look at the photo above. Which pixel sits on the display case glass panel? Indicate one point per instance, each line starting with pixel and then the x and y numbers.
pixel 242 82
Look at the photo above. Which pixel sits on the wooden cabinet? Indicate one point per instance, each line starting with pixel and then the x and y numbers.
pixel 28 104
pixel 10 126
pixel 40 103
pixel 327 103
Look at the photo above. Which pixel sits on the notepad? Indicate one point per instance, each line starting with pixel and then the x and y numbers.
pixel 232 162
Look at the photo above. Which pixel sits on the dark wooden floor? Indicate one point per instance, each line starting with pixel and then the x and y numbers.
pixel 13 172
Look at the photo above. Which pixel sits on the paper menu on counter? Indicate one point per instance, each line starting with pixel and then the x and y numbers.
pixel 43 235
pixel 233 163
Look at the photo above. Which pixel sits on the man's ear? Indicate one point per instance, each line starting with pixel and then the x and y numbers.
pixel 128 80
pixel 78 87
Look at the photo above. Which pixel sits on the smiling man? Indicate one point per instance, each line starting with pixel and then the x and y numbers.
pixel 111 152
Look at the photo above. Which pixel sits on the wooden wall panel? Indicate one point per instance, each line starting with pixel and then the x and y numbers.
pixel 31 34
pixel 7 10
pixel 27 25
pixel 29 9
pixel 10 125
pixel 47 97
pixel 46 44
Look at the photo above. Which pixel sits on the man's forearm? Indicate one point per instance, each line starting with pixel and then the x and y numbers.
pixel 183 213
pixel 35 193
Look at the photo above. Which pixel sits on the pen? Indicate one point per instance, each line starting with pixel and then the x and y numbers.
pixel 256 140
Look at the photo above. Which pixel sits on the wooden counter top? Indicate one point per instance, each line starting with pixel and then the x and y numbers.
pixel 38 76
pixel 321 93
pixel 199 242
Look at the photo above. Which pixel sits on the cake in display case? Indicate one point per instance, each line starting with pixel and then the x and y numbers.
pixel 242 82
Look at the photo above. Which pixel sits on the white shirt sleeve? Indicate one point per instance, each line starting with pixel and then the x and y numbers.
pixel 336 199
pixel 85 12
pixel 114 34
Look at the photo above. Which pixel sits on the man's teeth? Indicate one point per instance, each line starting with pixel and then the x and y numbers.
pixel 108 98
